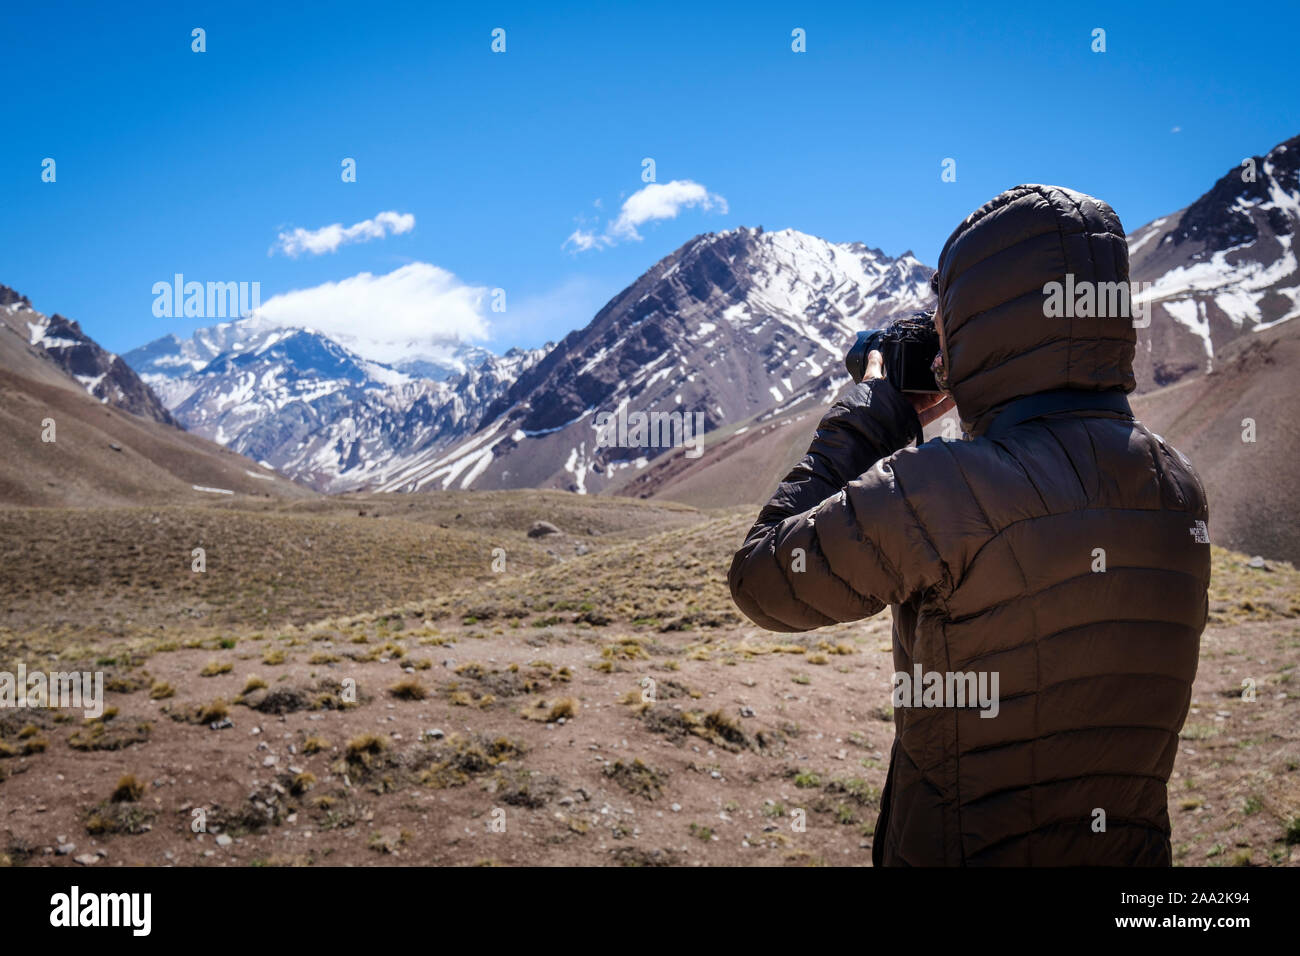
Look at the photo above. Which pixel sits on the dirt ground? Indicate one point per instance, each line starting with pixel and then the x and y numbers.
pixel 529 721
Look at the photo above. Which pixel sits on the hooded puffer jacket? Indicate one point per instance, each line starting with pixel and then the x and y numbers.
pixel 1061 548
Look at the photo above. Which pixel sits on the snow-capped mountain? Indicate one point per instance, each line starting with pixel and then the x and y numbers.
pixel 314 410
pixel 728 325
pixel 167 361
pixel 746 323
pixel 101 373
pixel 1222 267
pixel 445 363
pixel 738 326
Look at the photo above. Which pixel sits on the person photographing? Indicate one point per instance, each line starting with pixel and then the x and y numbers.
pixel 1061 546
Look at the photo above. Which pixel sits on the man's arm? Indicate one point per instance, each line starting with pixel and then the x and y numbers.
pixel 838 541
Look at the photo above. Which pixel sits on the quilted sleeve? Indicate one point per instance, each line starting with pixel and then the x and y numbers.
pixel 839 540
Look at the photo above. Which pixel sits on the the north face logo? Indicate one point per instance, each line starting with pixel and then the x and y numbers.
pixel 1200 533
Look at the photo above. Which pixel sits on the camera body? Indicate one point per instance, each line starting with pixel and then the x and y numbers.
pixel 908 347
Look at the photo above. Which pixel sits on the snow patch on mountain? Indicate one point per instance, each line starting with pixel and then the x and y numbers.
pixel 1223 267
pixel 316 410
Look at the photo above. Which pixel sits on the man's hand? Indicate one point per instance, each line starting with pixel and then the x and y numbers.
pixel 928 405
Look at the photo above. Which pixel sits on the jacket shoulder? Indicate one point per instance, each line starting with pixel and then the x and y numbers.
pixel 1180 472
pixel 959 492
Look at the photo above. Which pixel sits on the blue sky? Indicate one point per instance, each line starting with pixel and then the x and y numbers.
pixel 173 161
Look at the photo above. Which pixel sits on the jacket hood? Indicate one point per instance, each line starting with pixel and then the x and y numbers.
pixel 1007 332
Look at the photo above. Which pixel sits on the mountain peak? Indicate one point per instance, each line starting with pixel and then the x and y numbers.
pixel 726 326
pixel 1223 218
pixel 313 407
pixel 1222 267
pixel 11 297
pixel 102 374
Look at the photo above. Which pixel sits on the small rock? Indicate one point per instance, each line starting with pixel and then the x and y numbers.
pixel 115 446
pixel 225 723
pixel 224 839
pixel 63 849
pixel 541 529
pixel 1258 562
pixel 87 859
pixel 677 808
pixel 747 712
pixel 435 732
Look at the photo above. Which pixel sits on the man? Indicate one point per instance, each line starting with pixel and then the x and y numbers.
pixel 1062 548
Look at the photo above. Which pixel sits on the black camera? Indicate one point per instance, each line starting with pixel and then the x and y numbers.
pixel 908 347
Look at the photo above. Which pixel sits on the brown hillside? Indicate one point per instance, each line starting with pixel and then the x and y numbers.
pixel 151 462
pixel 1252 487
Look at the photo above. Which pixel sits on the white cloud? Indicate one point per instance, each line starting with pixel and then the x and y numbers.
pixel 330 238
pixel 412 312
pixel 662 201
pixel 582 240
pixel 655 201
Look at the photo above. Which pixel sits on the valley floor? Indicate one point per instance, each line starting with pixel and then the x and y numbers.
pixel 351 682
